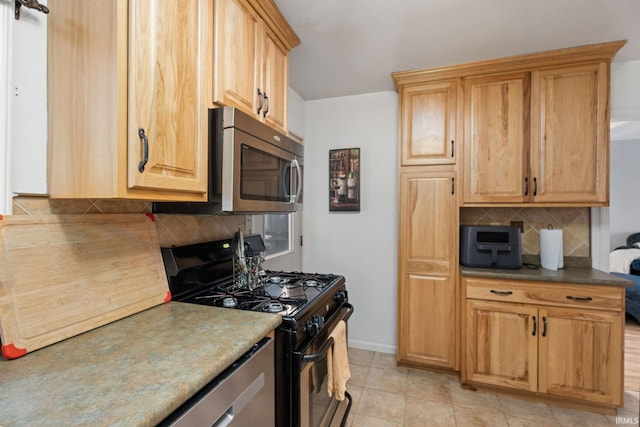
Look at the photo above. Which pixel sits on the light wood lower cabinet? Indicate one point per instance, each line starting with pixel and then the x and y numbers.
pixel 501 350
pixel 553 340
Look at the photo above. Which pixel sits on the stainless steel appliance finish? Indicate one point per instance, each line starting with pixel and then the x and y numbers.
pixel 252 168
pixel 310 305
pixel 241 396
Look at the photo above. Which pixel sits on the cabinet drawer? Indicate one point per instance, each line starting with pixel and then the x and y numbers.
pixel 546 293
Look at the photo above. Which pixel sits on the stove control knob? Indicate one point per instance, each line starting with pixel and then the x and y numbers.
pixel 340 296
pixel 314 325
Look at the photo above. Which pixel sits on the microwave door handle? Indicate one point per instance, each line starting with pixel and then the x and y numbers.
pixel 299 172
pixel 286 185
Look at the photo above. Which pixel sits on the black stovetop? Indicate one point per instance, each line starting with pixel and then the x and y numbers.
pixel 283 293
pixel 203 274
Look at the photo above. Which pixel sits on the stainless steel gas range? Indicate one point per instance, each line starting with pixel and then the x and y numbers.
pixel 311 305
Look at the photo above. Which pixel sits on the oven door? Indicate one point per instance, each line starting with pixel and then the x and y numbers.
pixel 262 178
pixel 317 409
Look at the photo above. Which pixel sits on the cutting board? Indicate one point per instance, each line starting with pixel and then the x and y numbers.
pixel 62 275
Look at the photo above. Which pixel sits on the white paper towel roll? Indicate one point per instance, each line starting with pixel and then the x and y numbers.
pixel 551 249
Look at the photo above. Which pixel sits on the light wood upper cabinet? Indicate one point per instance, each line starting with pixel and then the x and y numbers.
pixel 496 149
pixel 428 123
pixel 545 131
pixel 427 264
pixel 128 80
pixel 237 45
pixel 549 142
pixel 252 41
pixel 570 134
pixel 275 80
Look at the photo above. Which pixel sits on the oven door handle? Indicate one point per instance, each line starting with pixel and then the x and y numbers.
pixel 327 345
pixel 319 355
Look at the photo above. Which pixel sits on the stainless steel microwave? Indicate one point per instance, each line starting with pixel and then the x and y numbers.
pixel 252 168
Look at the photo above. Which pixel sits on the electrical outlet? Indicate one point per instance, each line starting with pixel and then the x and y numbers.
pixel 248 223
pixel 519 224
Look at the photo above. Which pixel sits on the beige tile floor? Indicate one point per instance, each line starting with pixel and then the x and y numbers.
pixel 387 395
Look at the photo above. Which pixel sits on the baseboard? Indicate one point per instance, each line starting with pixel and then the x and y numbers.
pixel 373 346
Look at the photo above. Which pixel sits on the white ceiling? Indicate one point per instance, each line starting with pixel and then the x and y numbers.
pixel 350 47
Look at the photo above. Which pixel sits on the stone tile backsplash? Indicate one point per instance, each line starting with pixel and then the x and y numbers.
pixel 185 229
pixel 173 230
pixel 575 223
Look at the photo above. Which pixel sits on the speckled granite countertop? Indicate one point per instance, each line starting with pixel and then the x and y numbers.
pixel 579 275
pixel 133 372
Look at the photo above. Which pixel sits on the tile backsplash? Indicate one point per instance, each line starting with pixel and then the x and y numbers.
pixel 575 223
pixel 172 229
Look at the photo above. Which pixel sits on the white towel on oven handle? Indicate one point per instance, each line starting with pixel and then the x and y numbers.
pixel 338 372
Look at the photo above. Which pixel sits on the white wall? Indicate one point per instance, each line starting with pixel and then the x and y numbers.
pixel 6 102
pixel 30 103
pixel 608 224
pixel 625 91
pixel 624 209
pixel 359 245
pixel 295 113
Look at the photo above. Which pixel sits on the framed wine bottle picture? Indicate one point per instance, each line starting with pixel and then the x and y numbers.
pixel 344 179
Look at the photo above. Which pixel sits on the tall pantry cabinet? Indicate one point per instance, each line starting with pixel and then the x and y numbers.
pixel 428 219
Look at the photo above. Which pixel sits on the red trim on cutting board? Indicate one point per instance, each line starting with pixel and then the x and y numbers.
pixel 10 351
pixel 151 217
pixel 167 298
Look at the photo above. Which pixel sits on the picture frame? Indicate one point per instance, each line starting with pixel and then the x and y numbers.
pixel 344 179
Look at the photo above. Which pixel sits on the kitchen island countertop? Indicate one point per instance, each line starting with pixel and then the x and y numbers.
pixel 132 372
pixel 577 275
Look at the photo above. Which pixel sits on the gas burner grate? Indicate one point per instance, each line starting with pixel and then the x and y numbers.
pixel 299 280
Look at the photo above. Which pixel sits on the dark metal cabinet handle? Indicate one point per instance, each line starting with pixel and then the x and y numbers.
pixel 544 326
pixel 266 105
pixel 535 326
pixel 526 185
pixel 535 186
pixel 453 185
pixel 579 299
pixel 260 99
pixel 145 150
pixel 31 4
pixel 452 151
pixel 493 291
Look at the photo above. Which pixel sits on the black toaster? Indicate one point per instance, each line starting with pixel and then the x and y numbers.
pixel 490 246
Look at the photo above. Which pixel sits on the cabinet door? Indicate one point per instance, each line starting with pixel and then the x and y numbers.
pixel 569 134
pixel 167 96
pixel 275 81
pixel 427 321
pixel 496 139
pixel 501 345
pixel 428 120
pixel 427 262
pixel 581 354
pixel 237 50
